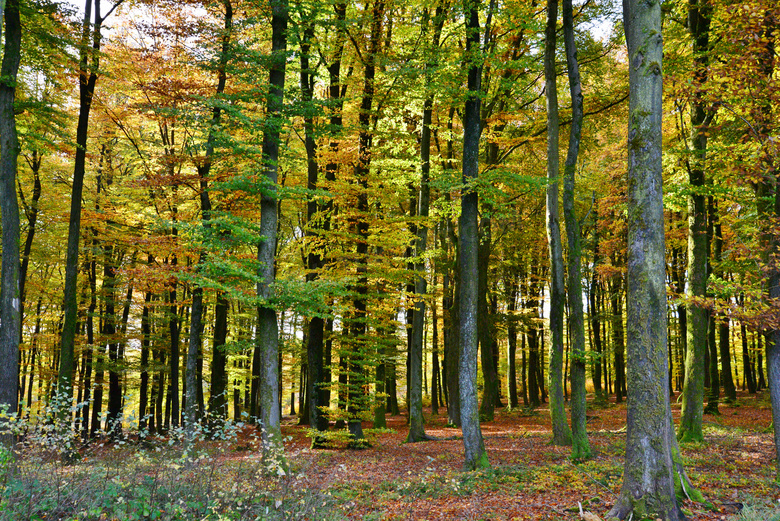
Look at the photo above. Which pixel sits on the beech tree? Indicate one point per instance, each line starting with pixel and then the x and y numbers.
pixel 10 292
pixel 649 473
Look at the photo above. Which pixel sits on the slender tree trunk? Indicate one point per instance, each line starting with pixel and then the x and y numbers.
pixel 699 16
pixel 268 333
pixel 315 336
pixel 511 283
pixel 581 447
pixel 88 73
pixel 560 428
pixel 416 429
pixel 468 252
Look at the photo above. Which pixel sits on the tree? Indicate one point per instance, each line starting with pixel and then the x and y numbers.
pixel 580 445
pixel 89 64
pixel 699 17
pixel 648 476
pixel 416 429
pixel 560 428
pixel 10 310
pixel 268 332
pixel 476 456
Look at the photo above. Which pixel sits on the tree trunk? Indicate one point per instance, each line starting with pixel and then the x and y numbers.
pixel 581 447
pixel 485 326
pixel 89 62
pixel 510 282
pixel 648 479
pixel 145 343
pixel 268 333
pixel 10 308
pixel 561 433
pixel 699 16
pixel 468 252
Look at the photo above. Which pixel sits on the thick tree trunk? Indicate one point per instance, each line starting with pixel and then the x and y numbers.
pixel 648 479
pixel 10 306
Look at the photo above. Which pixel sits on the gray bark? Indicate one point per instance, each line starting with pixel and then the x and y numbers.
pixel 648 478
pixel 475 454
pixel 268 333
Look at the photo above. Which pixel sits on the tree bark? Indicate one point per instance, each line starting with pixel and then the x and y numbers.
pixel 10 306
pixel 648 478
pixel 468 251
pixel 699 16
pixel 268 333
pixel 561 433
pixel 580 445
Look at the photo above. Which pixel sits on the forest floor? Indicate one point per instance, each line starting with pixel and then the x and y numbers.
pixel 231 478
pixel 530 479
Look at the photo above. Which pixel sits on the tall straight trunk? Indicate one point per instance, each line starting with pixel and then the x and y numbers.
pixel 532 334
pixel 268 333
pixel 747 372
pixel 468 251
pixel 699 17
pixel 618 339
pixel 359 226
pixel 315 335
pixel 561 433
pixel 648 479
pixel 450 299
pixel 89 62
pixel 727 378
pixel 511 283
pixel 218 400
pixel 114 417
pixel 485 326
pixel 768 205
pixel 678 273
pixel 595 313
pixel 99 361
pixel 143 393
pixel 10 308
pixel 416 429
pixel 581 447
pixel 436 386
pixel 175 359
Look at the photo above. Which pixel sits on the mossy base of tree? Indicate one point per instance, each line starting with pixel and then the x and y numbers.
pixel 712 408
pixel 690 435
pixel 481 463
pixel 644 507
pixel 581 450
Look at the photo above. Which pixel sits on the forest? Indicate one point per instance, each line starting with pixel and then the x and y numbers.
pixel 327 227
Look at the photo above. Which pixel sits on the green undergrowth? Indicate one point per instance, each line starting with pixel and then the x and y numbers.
pixel 183 477
pixel 756 509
